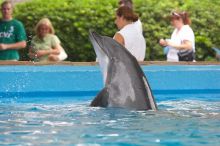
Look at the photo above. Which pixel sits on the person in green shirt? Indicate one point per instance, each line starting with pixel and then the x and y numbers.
pixel 12 34
pixel 45 45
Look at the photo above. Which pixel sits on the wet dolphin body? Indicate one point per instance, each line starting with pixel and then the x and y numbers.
pixel 125 83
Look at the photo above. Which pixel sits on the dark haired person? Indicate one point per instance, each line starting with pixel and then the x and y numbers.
pixel 182 43
pixel 12 34
pixel 129 4
pixel 128 35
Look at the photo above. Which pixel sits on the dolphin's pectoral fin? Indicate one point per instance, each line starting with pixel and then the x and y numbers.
pixel 101 99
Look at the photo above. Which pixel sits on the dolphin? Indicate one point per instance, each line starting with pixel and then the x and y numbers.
pixel 125 83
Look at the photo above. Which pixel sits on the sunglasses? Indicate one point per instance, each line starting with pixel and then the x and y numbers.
pixel 175 14
pixel 178 14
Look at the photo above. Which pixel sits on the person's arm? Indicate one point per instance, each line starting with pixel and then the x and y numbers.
pixel 54 51
pixel 17 45
pixel 31 54
pixel 40 53
pixel 186 45
pixel 119 38
pixel 20 38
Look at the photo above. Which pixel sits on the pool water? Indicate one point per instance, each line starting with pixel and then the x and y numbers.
pixel 182 120
pixel 68 121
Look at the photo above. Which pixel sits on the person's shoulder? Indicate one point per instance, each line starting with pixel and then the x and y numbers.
pixel 50 35
pixel 35 37
pixel 138 22
pixel 133 28
pixel 53 36
pixel 127 28
pixel 17 22
pixel 186 27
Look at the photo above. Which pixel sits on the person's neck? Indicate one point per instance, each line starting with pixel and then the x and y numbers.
pixel 7 18
pixel 42 36
pixel 127 23
pixel 180 26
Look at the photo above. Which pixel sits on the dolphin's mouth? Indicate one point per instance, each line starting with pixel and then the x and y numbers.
pixel 102 58
pixel 97 39
pixel 97 42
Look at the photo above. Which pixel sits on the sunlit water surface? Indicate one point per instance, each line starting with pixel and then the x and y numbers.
pixel 60 121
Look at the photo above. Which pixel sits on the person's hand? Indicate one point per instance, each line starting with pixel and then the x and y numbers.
pixel 32 55
pixel 42 53
pixel 163 42
pixel 3 46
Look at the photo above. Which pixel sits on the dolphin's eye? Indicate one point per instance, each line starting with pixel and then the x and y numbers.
pixel 114 58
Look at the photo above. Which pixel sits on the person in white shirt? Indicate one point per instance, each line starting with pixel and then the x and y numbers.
pixel 129 4
pixel 128 35
pixel 182 43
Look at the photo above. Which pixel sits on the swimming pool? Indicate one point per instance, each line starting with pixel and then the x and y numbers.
pixel 48 105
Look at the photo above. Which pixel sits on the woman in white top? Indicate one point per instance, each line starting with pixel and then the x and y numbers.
pixel 182 43
pixel 129 35
pixel 129 4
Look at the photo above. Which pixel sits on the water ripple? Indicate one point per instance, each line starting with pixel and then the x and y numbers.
pixel 176 123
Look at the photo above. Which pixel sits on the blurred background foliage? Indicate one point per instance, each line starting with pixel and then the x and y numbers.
pixel 72 20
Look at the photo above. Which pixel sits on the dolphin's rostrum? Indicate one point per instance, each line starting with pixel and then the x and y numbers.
pixel 125 83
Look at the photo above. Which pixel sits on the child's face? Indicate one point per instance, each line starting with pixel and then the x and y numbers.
pixel 44 30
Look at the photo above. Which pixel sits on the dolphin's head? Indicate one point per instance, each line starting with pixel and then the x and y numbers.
pixel 107 46
pixel 107 50
pixel 97 42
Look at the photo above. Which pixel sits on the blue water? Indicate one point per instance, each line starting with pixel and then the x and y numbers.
pixel 70 121
pixel 189 110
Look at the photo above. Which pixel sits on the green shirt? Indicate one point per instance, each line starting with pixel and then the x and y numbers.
pixel 50 41
pixel 11 32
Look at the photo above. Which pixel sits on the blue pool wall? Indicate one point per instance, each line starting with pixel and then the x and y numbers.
pixel 72 81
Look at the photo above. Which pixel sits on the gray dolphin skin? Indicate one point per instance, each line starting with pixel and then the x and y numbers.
pixel 125 83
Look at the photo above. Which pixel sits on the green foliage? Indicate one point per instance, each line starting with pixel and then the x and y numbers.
pixel 206 25
pixel 72 20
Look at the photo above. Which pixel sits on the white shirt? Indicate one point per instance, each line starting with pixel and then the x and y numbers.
pixel 138 25
pixel 134 40
pixel 185 33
